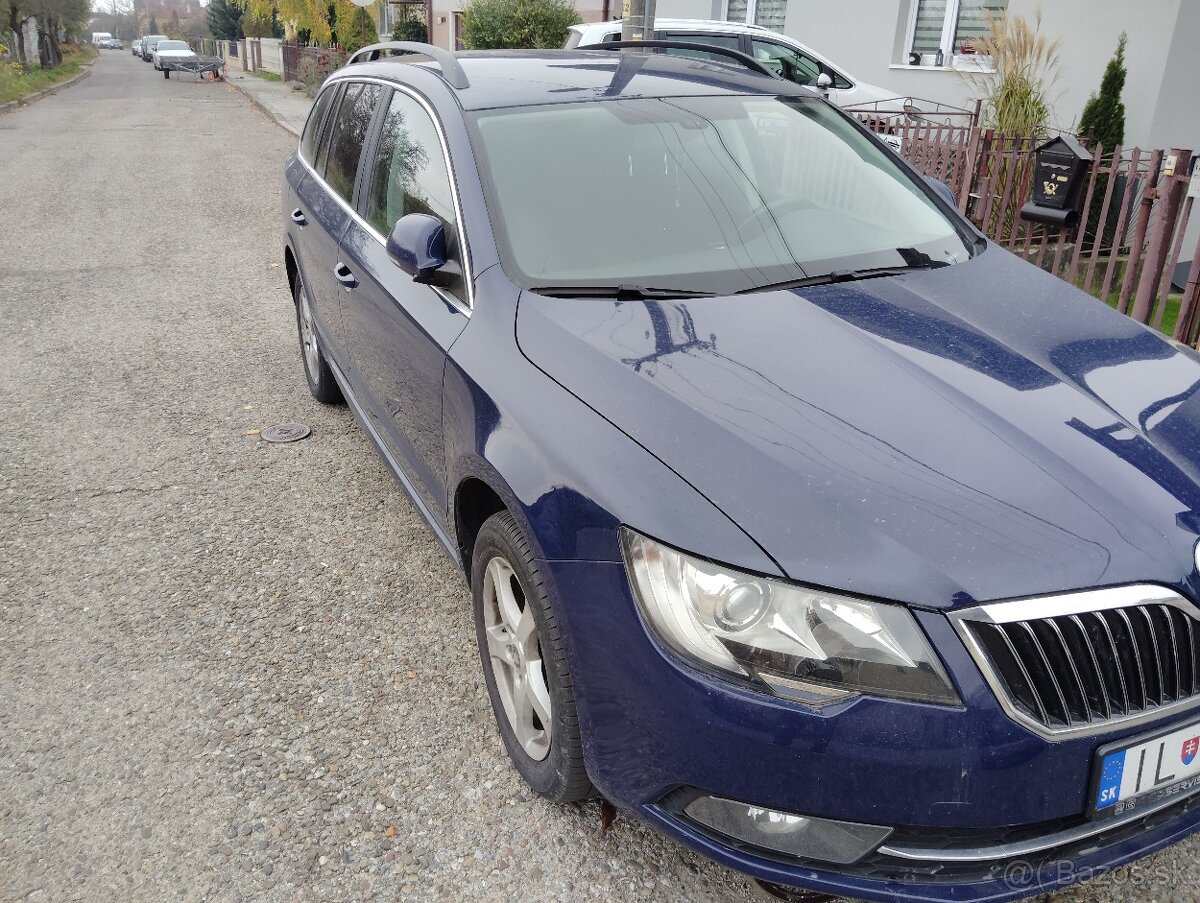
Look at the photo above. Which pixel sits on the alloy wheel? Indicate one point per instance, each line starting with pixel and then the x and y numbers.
pixel 515 650
pixel 308 333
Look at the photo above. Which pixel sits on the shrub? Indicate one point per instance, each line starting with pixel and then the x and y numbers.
pixel 315 68
pixel 1016 97
pixel 502 24
pixel 1103 118
pixel 410 30
pixel 357 31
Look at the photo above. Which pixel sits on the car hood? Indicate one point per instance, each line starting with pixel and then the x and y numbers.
pixel 977 432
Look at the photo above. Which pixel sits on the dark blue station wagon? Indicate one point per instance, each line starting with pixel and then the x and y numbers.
pixel 800 521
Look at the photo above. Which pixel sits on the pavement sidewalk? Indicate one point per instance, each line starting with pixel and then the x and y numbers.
pixel 286 106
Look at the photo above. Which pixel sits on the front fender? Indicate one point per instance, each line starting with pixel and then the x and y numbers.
pixel 569 476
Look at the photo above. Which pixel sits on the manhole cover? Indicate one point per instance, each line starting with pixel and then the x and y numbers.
pixel 285 432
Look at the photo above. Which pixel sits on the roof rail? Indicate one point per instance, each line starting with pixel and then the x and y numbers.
pixel 736 55
pixel 452 70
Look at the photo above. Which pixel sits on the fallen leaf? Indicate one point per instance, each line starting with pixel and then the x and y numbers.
pixel 410 674
pixel 274 266
pixel 247 407
pixel 390 832
pixel 253 432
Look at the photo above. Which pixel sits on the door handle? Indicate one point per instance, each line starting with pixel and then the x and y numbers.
pixel 342 274
pixel 298 217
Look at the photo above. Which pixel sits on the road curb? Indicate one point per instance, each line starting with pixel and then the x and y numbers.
pixel 263 108
pixel 38 95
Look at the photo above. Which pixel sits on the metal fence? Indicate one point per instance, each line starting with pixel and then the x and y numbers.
pixel 1128 239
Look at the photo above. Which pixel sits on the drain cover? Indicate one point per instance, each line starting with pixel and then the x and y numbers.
pixel 285 432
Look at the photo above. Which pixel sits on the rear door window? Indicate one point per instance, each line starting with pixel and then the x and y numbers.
pixel 347 135
pixel 312 128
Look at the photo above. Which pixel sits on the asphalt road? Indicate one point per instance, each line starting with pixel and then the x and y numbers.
pixel 230 669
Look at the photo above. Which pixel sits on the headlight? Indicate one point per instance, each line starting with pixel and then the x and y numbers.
pixel 807 644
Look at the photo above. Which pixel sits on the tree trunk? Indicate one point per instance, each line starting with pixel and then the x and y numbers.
pixel 56 55
pixel 17 23
pixel 43 43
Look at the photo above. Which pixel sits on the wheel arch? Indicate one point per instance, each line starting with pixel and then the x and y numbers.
pixel 289 262
pixel 474 502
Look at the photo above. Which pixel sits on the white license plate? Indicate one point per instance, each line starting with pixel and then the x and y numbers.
pixel 1140 773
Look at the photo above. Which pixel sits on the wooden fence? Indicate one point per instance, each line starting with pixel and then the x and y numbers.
pixel 1127 241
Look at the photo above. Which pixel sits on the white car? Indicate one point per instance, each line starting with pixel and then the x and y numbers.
pixel 789 59
pixel 168 54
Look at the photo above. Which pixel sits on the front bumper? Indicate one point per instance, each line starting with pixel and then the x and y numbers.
pixel 962 779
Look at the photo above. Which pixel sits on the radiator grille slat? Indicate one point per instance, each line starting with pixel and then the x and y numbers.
pixel 1114 660
pixel 1123 622
pixel 1074 670
pixel 1094 681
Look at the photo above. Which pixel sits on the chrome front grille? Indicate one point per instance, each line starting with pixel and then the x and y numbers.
pixel 1082 662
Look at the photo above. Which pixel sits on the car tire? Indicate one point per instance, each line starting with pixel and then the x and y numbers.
pixel 321 382
pixel 166 73
pixel 518 634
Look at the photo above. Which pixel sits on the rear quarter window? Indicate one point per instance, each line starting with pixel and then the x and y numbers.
pixel 312 128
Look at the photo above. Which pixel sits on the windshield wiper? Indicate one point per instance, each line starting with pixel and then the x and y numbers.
pixel 845 276
pixel 623 292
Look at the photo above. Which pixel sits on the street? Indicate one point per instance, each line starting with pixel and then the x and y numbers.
pixel 228 669
pixel 231 669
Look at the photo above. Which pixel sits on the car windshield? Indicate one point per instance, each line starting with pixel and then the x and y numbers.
pixel 716 194
pixel 172 45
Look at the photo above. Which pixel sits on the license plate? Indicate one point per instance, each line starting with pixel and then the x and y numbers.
pixel 1140 773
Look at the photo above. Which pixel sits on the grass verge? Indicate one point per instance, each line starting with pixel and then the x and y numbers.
pixel 266 76
pixel 15 83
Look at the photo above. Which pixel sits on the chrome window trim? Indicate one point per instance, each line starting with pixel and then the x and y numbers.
pixel 468 271
pixel 1073 603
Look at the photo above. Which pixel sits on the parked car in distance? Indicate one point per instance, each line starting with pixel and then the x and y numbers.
pixel 787 58
pixel 149 42
pixel 169 54
pixel 111 44
pixel 136 47
pixel 799 520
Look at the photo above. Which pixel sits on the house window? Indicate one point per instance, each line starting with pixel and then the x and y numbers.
pixel 767 13
pixel 951 27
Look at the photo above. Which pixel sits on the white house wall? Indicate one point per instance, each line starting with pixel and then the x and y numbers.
pixel 1176 121
pixel 868 38
pixel 1088 31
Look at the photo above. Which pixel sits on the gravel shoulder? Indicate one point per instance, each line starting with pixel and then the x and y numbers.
pixel 234 670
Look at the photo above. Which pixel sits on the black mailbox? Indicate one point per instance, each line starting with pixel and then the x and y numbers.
pixel 1060 171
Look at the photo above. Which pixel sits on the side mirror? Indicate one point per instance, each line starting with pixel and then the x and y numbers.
pixel 418 245
pixel 943 189
pixel 824 81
